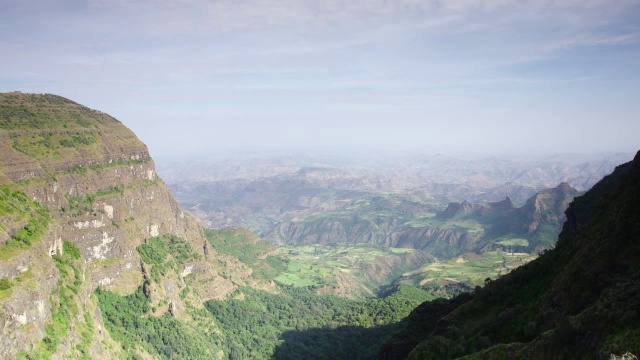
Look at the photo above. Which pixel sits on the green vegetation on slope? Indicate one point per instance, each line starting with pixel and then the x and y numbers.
pixel 129 322
pixel 64 307
pixel 579 300
pixel 17 208
pixel 157 250
pixel 130 319
pixel 245 246
pixel 45 111
pixel 61 136
pixel 252 327
pixel 469 269
pixel 314 265
pixel 43 145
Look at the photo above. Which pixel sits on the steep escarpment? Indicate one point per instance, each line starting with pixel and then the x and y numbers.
pixel 97 187
pixel 533 227
pixel 459 228
pixel 95 178
pixel 441 241
pixel 98 261
pixel 546 206
pixel 466 208
pixel 578 300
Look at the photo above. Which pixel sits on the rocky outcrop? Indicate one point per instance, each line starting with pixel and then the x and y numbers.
pixel 548 205
pixel 539 220
pixel 100 188
pixel 466 208
pixel 460 209
pixel 27 308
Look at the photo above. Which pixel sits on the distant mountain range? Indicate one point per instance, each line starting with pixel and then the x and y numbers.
pixel 268 194
pixel 394 221
pixel 98 261
pixel 578 301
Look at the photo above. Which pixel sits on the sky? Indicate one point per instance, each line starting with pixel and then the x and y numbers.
pixel 359 76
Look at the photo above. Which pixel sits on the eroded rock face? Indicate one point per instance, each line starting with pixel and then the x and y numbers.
pixel 95 177
pixel 466 208
pixel 547 205
pixel 25 312
pixel 100 187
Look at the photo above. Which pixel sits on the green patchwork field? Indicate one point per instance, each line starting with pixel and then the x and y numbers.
pixel 470 269
pixel 317 265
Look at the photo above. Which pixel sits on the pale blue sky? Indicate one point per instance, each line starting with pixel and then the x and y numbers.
pixel 430 76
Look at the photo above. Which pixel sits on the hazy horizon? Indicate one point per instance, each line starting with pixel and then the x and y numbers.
pixel 339 155
pixel 200 77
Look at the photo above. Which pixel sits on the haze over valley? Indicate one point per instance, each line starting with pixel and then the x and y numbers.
pixel 319 179
pixel 260 191
pixel 348 251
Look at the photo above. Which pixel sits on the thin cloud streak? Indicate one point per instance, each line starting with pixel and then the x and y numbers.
pixel 207 65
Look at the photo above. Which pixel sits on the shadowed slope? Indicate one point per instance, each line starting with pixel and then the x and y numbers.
pixel 580 300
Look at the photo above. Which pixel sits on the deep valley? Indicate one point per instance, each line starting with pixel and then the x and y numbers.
pixel 426 257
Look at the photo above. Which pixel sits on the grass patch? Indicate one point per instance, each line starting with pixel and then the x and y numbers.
pixel 401 250
pixel 314 265
pixel 5 288
pixel 469 269
pixel 245 246
pixel 82 170
pixel 17 208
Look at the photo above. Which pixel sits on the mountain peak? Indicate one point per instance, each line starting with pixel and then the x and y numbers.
pixel 578 300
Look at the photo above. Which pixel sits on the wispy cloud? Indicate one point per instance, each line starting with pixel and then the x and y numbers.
pixel 315 48
pixel 206 16
pixel 553 48
pixel 591 40
pixel 345 61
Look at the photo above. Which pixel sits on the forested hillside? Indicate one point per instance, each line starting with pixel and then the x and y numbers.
pixel 579 300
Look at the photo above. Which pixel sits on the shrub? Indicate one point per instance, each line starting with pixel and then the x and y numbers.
pixel 5 283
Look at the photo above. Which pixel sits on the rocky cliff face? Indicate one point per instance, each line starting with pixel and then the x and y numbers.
pixel 461 227
pixel 540 219
pixel 546 206
pixel 101 191
pixel 442 242
pixel 466 208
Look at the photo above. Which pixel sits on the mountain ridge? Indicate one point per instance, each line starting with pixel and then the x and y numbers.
pixel 461 227
pixel 579 300
pixel 105 202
